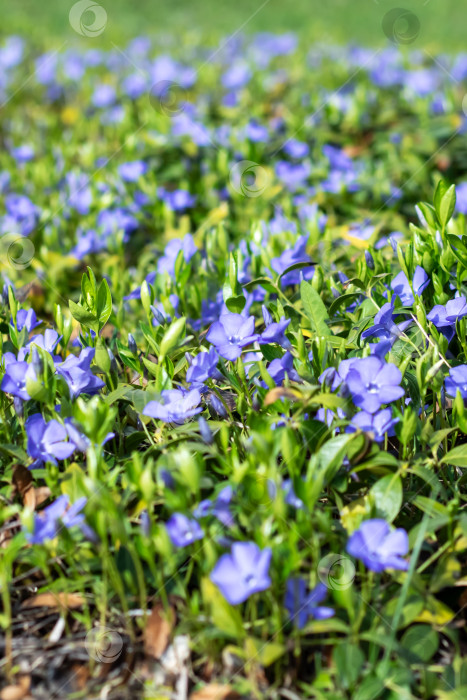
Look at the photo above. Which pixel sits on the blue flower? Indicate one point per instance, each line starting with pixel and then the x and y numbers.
pixel 77 373
pixel 384 324
pixel 291 257
pixel 48 522
pixel 401 287
pixel 378 547
pixel 202 367
pixel 275 332
pixel 177 406
pixel 47 442
pixel 302 604
pixel 279 367
pixel 183 531
pixel 378 423
pixel 132 171
pixel 372 383
pixel 219 508
pixel 457 381
pixel 242 572
pixel 231 333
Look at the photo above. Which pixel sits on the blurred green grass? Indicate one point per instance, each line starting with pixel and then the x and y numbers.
pixel 442 22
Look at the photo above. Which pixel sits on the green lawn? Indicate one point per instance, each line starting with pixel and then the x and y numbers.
pixel 442 22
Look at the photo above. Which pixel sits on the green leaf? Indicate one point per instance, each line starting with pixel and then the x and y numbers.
pixel 420 643
pixel 172 335
pixel 444 201
pixel 369 689
pixel 386 497
pixel 104 303
pixel 314 308
pixel 349 660
pixel 226 618
pixel 84 317
pixel 457 456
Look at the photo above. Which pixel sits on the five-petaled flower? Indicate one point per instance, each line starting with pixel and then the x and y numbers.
pixel 176 406
pixel 378 547
pixel 301 603
pixel 231 333
pixel 242 572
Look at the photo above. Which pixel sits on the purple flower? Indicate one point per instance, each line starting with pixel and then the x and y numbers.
pixel 378 547
pixel 177 406
pixel 242 572
pixel 14 379
pixel 445 317
pixel 47 441
pixel 177 200
pixel 26 319
pixel 457 380
pixel 231 333
pixel 131 172
pixel 183 531
pixel 401 287
pixel 220 508
pixel 47 523
pixel 275 332
pixel 291 257
pixel 238 75
pixel 377 423
pixel 78 375
pixel 22 215
pixel 104 95
pixel 372 383
pixel 23 154
pixel 166 262
pixel 203 366
pixel 281 366
pixel 79 192
pixel 384 324
pixel 461 198
pixel 296 149
pixel 302 604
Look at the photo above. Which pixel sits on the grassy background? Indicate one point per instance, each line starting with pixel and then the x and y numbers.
pixel 442 22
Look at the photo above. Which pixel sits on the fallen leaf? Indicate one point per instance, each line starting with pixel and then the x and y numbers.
pixel 54 600
pixel 157 633
pixel 17 692
pixel 215 691
pixel 22 479
pixel 279 393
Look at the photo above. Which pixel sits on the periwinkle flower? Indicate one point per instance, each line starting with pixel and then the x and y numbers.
pixel 47 523
pixel 14 379
pixel 231 333
pixel 378 547
pixel 457 381
pixel 401 287
pixel 220 508
pixel 274 332
pixel 26 318
pixel 176 406
pixel 242 572
pixel 132 171
pixel 384 324
pixel 378 423
pixel 372 383
pixel 291 257
pixel 282 366
pixel 47 442
pixel 166 262
pixel 445 317
pixel 182 530
pixel 78 375
pixel 302 604
pixel 202 367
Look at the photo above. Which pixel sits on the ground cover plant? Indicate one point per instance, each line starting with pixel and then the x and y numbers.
pixel 233 369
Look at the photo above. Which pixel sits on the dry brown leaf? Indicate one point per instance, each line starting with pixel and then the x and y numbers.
pixel 17 692
pixel 215 691
pixel 279 393
pixel 22 479
pixel 54 600
pixel 158 628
